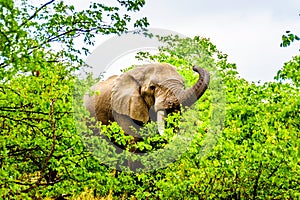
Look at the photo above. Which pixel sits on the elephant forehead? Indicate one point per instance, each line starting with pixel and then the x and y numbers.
pixel 172 83
pixel 166 78
pixel 167 72
pixel 155 73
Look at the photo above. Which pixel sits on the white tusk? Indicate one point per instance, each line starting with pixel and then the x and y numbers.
pixel 161 121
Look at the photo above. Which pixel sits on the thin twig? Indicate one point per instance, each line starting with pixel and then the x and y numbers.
pixel 36 12
pixel 255 187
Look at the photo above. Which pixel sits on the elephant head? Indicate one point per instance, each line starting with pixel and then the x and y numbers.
pixel 153 88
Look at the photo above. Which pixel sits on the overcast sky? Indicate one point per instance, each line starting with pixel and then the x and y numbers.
pixel 249 31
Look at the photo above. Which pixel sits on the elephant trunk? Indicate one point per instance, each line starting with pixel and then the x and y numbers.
pixel 190 96
pixel 187 97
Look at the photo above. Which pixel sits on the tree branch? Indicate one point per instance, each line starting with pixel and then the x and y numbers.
pixel 255 187
pixel 36 12
pixel 275 169
pixel 54 38
pixel 13 109
pixel 53 127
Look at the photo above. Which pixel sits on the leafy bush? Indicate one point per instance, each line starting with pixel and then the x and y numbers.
pixel 41 152
pixel 255 153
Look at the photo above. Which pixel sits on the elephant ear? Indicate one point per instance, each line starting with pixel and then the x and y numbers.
pixel 127 100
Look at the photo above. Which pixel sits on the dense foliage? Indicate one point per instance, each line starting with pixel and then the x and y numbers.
pixel 257 153
pixel 244 147
pixel 41 152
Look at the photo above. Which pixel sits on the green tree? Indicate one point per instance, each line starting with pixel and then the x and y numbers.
pixel 290 71
pixel 41 153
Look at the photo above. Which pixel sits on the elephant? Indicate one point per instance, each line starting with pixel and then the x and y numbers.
pixel 145 93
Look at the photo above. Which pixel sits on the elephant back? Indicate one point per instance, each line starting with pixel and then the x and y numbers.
pixel 99 104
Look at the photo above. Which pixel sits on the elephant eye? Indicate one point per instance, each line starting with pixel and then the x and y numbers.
pixel 152 87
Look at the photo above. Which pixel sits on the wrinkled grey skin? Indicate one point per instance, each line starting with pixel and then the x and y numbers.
pixel 144 93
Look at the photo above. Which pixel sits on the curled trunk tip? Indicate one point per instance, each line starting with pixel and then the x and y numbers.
pixel 190 96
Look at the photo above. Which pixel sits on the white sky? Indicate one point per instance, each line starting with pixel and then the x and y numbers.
pixel 249 31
